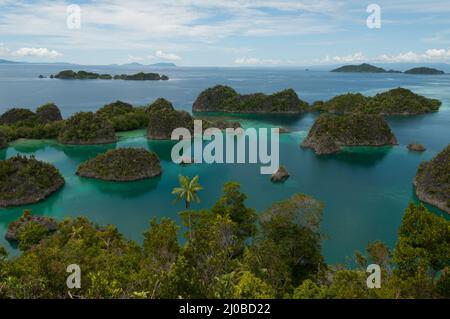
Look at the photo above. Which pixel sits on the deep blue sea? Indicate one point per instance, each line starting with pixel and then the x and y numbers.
pixel 364 190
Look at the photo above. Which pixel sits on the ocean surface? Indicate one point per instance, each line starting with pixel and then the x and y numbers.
pixel 365 190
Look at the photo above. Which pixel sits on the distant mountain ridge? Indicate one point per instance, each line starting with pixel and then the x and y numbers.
pixel 160 64
pixel 368 68
pixel 7 62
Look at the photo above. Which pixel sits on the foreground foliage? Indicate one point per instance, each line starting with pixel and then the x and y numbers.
pixel 229 252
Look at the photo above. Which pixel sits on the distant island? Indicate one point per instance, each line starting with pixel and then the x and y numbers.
pixel 363 68
pixel 397 101
pixel 225 99
pixel 84 75
pixel 330 132
pixel 433 181
pixel 164 64
pixel 8 62
pixel 368 68
pixel 424 70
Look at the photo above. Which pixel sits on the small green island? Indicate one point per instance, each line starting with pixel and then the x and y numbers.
pixel 416 147
pixel 424 71
pixel 45 123
pixel 163 119
pixel 331 132
pixel 46 113
pixel 369 68
pixel 84 75
pixel 280 176
pixel 25 180
pixel 363 68
pixel 432 181
pixel 397 101
pixel 122 165
pixel 123 116
pixel 87 128
pixel 223 98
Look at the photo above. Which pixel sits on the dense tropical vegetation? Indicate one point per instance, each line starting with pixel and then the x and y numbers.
pixel 124 164
pixel 3 140
pixel 397 101
pixel 330 132
pixel 25 180
pixel 163 119
pixel 123 116
pixel 228 252
pixel 85 128
pixel 225 99
pixel 45 123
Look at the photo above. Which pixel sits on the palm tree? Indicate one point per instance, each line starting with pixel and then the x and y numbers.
pixel 187 191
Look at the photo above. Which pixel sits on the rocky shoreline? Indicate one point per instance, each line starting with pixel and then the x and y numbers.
pixel 15 227
pixel 432 181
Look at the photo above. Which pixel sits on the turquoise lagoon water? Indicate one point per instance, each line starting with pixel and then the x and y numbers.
pixel 365 190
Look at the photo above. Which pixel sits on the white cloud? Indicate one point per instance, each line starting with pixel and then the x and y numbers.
pixel 29 52
pixel 401 57
pixel 37 52
pixel 437 53
pixel 430 55
pixel 356 57
pixel 257 61
pixel 138 24
pixel 132 58
pixel 167 56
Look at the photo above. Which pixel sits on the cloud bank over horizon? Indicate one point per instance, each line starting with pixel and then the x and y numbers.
pixel 224 32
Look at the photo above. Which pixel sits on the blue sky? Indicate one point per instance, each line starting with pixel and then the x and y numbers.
pixel 225 32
